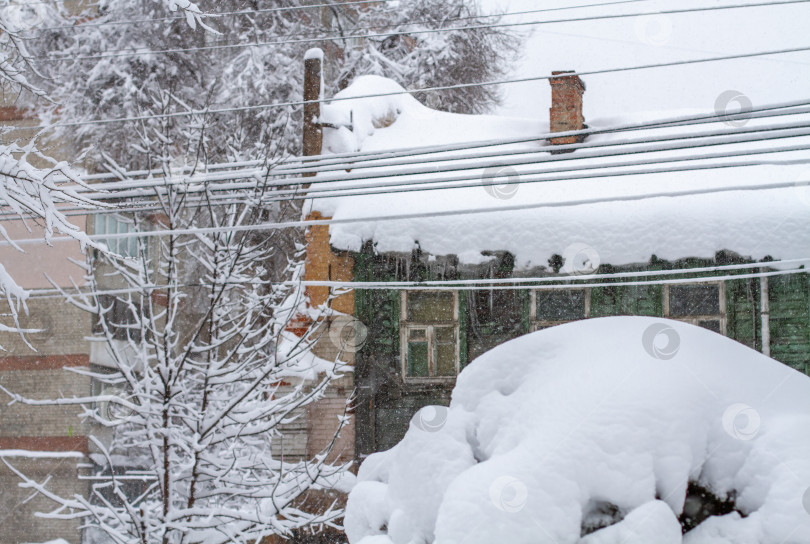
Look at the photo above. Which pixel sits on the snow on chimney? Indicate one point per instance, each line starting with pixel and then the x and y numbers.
pixel 566 106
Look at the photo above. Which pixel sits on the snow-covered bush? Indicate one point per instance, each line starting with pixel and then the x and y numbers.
pixel 627 430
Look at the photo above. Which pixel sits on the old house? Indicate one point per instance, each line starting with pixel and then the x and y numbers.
pixel 444 235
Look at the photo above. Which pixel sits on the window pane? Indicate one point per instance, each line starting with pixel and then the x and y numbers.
pixel 445 335
pixel 430 306
pixel 687 300
pixel 562 305
pixel 417 334
pixel 445 359
pixel 122 244
pixel 711 324
pixel 418 359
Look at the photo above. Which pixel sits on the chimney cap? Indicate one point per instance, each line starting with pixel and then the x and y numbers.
pixel 566 79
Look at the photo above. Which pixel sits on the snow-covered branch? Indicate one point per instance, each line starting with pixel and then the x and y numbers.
pixel 203 381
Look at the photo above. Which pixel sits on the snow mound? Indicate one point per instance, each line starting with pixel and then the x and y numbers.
pixel 359 118
pixel 604 431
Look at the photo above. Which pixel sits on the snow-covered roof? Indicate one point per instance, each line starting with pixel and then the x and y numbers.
pixel 532 220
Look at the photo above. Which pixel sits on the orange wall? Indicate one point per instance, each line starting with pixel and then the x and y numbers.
pixel 323 264
pixel 28 269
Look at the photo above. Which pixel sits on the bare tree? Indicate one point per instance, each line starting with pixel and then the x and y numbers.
pixel 203 375
pixel 33 184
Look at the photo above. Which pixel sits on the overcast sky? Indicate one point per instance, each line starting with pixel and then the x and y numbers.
pixel 594 45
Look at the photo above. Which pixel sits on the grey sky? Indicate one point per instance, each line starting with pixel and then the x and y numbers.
pixel 633 41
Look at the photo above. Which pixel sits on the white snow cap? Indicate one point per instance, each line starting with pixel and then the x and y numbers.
pixel 314 53
pixel 592 433
pixel 755 223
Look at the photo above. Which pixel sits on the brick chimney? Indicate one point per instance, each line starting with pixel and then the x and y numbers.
pixel 566 106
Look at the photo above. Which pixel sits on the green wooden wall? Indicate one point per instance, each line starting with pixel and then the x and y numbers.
pixel 386 404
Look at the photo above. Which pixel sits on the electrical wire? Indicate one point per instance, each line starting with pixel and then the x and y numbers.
pixel 472 170
pixel 414 91
pixel 515 283
pixel 423 215
pixel 128 53
pixel 472 173
pixel 351 160
pixel 406 160
pixel 477 180
pixel 206 183
pixel 217 15
pixel 553 287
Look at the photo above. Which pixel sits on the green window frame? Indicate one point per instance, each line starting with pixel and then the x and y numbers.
pixel 429 335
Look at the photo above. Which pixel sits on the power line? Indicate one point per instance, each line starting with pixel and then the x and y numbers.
pixel 208 182
pixel 426 89
pixel 471 170
pixel 350 160
pixel 128 53
pixel 602 150
pixel 372 162
pixel 217 15
pixel 229 198
pixel 521 180
pixel 421 215
pixel 476 180
pixel 515 282
pixel 553 287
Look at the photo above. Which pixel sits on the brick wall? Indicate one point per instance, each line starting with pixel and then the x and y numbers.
pixel 39 374
pixel 65 327
pixel 323 422
pixel 17 523
pixel 324 264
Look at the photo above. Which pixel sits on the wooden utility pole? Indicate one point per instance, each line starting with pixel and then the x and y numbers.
pixel 313 93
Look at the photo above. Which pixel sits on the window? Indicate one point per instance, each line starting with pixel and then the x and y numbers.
pixel 121 318
pixel 556 306
pixel 430 333
pixel 699 304
pixel 115 224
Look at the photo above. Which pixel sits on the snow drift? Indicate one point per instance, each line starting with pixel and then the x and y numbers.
pixel 624 430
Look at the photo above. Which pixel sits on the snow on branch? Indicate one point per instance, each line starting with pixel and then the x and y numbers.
pixel 203 386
